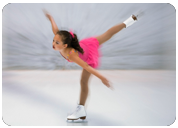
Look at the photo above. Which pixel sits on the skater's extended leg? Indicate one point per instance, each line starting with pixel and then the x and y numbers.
pixel 84 86
pixel 110 32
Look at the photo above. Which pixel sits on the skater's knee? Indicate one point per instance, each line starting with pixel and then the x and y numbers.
pixel 83 82
pixel 84 86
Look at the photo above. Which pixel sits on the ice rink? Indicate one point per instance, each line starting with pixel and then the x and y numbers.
pixel 45 97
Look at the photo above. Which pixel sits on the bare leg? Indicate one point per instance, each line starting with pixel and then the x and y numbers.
pixel 84 86
pixel 115 29
pixel 110 32
pixel 83 96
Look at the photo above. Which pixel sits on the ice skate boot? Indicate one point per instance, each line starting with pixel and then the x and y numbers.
pixel 79 113
pixel 133 18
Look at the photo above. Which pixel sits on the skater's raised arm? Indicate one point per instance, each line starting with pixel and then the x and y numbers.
pixel 54 26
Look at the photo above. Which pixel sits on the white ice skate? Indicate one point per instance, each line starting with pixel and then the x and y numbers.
pixel 79 113
pixel 133 18
pixel 129 21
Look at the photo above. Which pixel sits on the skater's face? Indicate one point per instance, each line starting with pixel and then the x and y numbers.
pixel 58 44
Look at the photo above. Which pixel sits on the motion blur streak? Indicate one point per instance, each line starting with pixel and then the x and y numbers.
pixel 148 44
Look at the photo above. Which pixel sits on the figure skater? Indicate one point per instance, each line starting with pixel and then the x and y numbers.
pixel 84 53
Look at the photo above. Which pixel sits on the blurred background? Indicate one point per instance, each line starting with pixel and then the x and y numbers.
pixel 148 44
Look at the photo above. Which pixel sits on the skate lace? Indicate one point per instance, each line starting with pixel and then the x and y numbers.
pixel 77 109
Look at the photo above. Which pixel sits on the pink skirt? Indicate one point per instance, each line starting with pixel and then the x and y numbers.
pixel 92 53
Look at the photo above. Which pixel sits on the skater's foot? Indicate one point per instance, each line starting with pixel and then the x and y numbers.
pixel 79 113
pixel 134 17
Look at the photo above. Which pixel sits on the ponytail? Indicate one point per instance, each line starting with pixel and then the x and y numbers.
pixel 75 44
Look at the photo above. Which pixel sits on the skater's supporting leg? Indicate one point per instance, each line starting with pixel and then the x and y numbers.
pixel 84 86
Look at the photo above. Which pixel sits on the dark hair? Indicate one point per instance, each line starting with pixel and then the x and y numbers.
pixel 68 39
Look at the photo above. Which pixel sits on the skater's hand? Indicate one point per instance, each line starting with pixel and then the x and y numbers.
pixel 47 14
pixel 107 83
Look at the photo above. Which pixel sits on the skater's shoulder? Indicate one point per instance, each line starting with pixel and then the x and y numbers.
pixel 74 57
pixel 73 52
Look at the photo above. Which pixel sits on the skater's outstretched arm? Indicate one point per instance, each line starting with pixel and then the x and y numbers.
pixel 54 26
pixel 73 57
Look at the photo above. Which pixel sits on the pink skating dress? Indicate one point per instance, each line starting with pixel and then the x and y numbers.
pixel 91 53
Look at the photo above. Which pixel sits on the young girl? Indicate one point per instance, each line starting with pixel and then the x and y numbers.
pixel 85 53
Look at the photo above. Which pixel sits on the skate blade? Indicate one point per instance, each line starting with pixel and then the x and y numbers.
pixel 139 14
pixel 77 121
